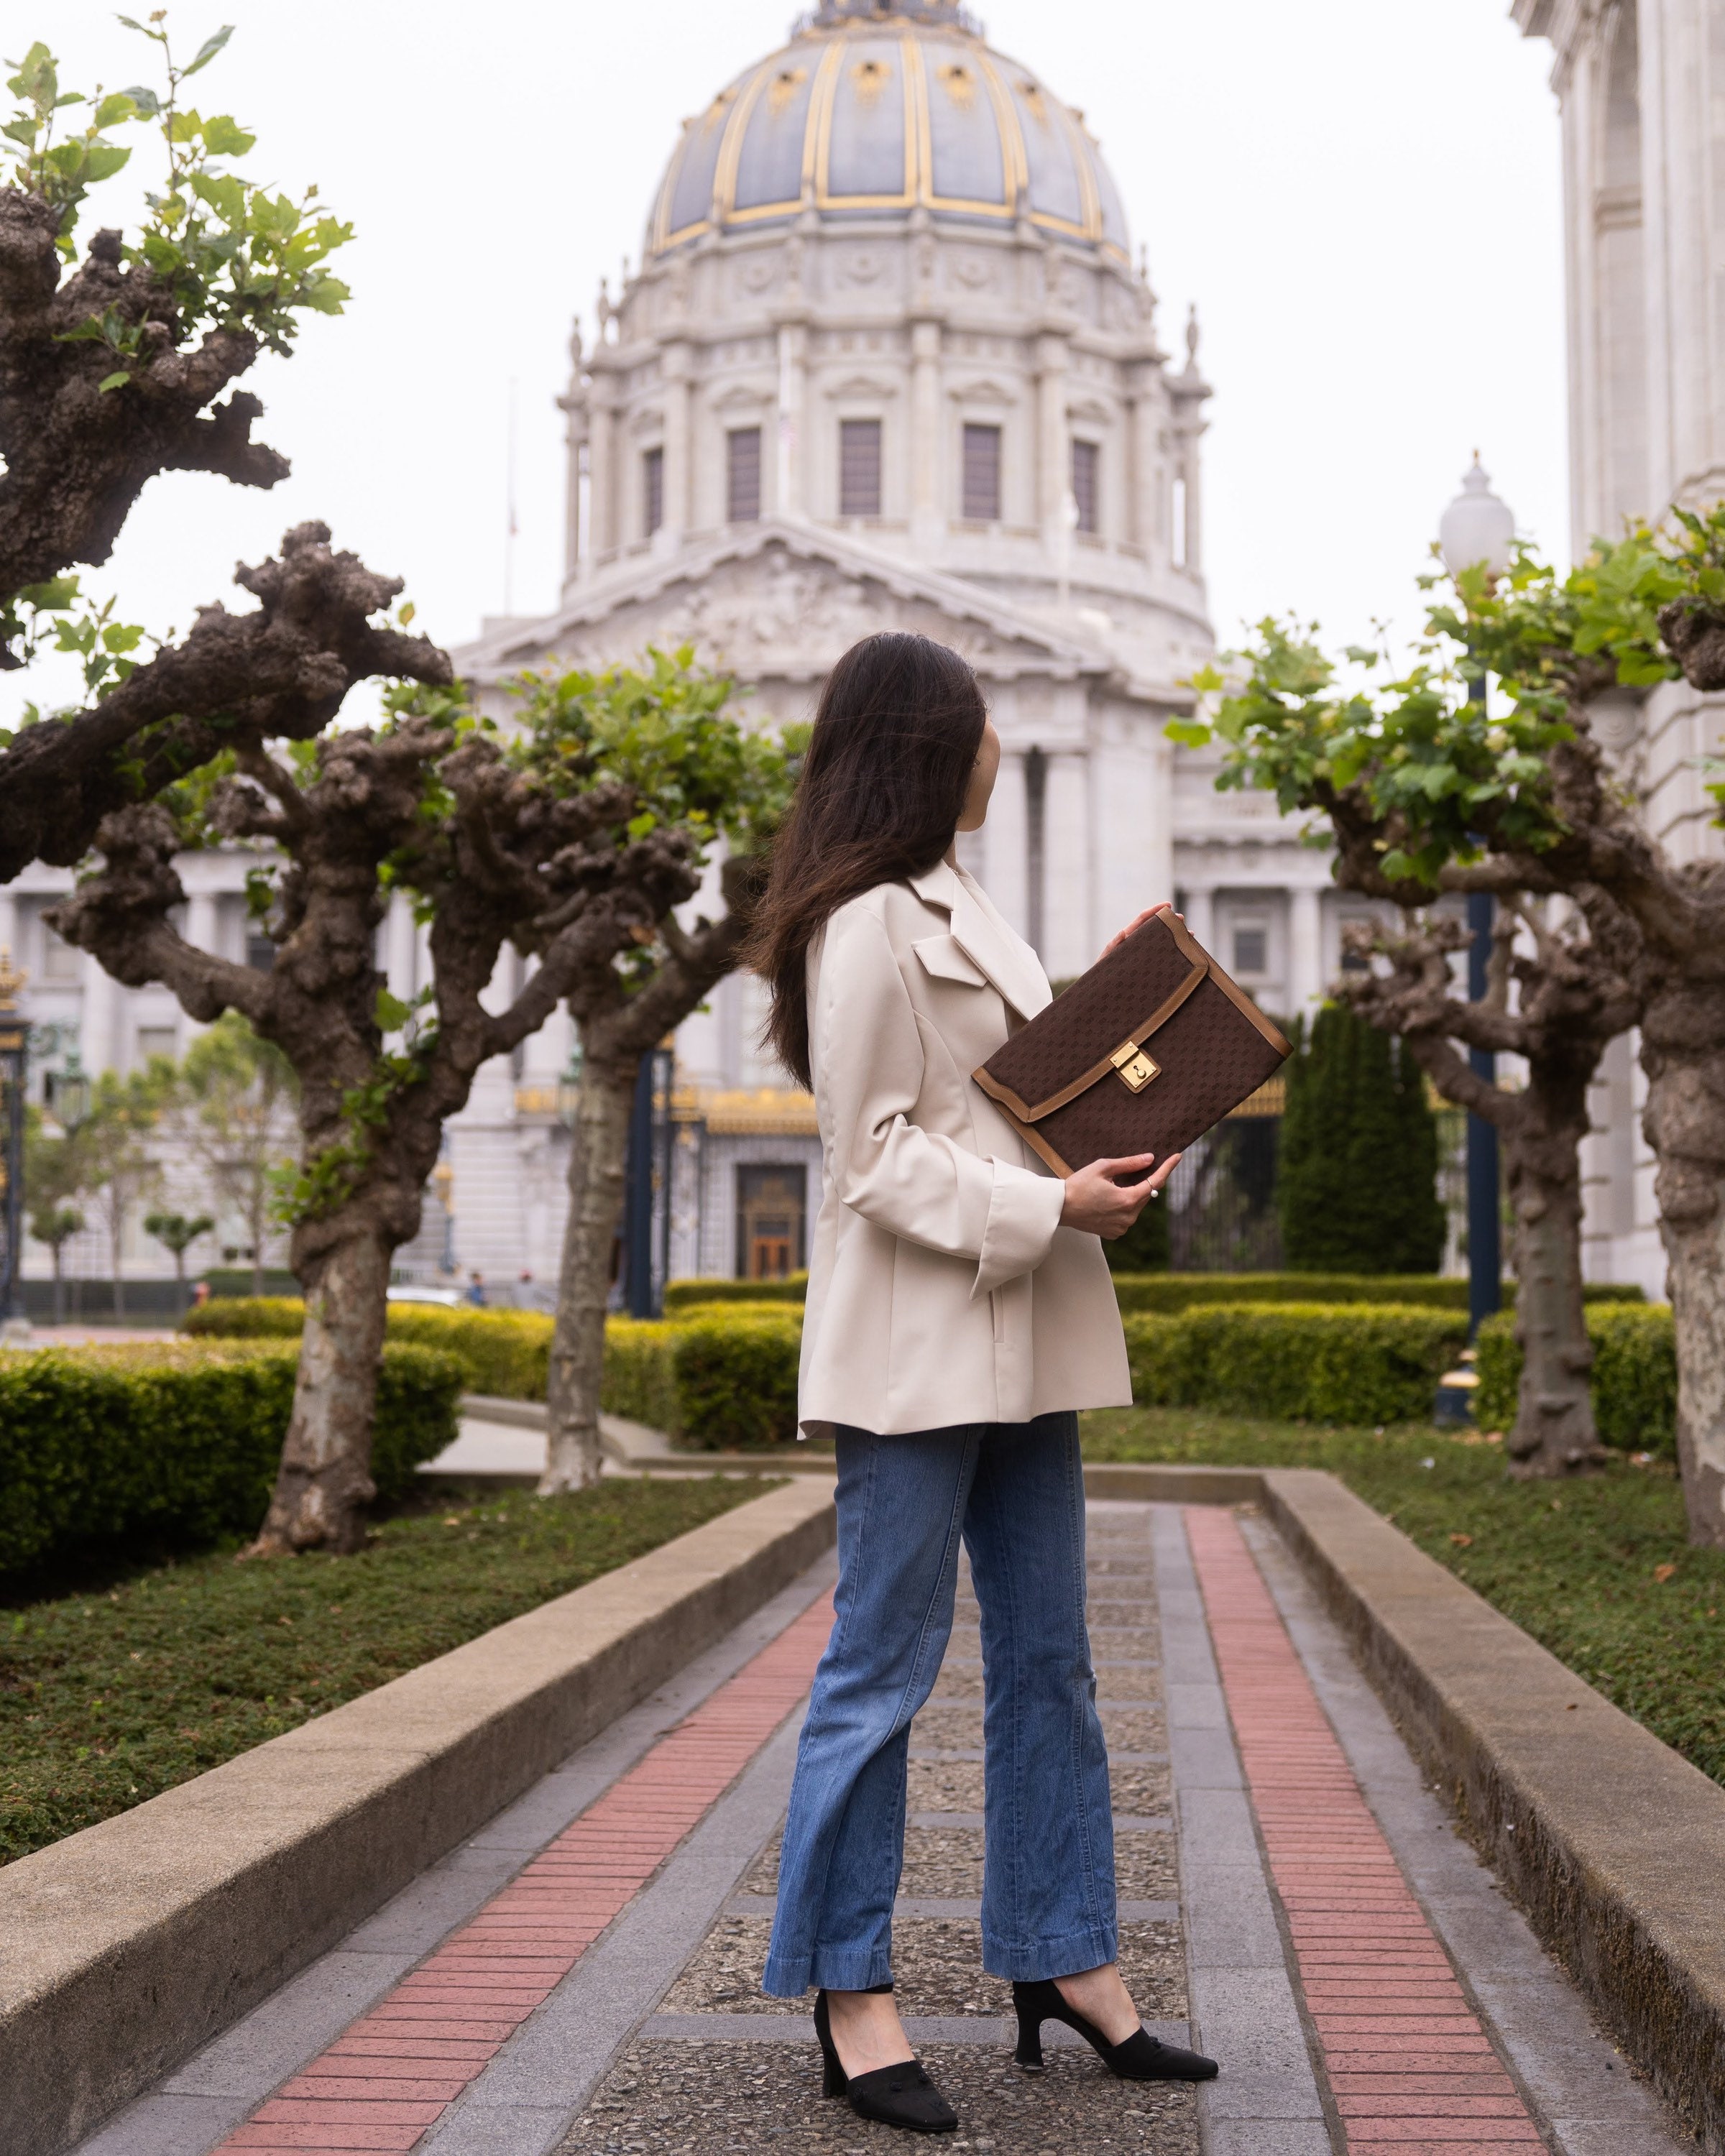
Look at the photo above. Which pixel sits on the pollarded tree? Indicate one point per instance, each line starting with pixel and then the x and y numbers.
pixel 54 1178
pixel 527 843
pixel 1424 793
pixel 115 369
pixel 1356 1175
pixel 1575 990
pixel 668 735
pixel 118 1153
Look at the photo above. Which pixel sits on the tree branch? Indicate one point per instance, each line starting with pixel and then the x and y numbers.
pixel 237 680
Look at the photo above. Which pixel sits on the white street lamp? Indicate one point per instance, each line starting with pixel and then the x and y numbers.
pixel 1477 528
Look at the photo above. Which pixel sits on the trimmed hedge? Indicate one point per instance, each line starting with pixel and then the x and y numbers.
pixel 717 1377
pixel 1300 1362
pixel 1634 1376
pixel 685 1294
pixel 1171 1292
pixel 504 1352
pixel 179 1444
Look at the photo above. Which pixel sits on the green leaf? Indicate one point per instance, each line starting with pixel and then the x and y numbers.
pixel 208 49
pixel 223 137
pixel 119 105
pixel 114 382
pixel 50 597
pixel 103 160
pixel 149 104
pixel 390 1012
pixel 1189 733
pixel 327 295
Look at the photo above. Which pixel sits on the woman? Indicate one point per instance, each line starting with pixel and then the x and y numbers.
pixel 959 1314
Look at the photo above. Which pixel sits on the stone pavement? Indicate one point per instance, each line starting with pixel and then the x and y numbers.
pixel 582 1979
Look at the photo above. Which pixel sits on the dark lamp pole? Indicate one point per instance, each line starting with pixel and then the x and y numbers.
pixel 1478 529
pixel 14 1052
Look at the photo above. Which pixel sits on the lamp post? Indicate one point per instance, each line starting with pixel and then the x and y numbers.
pixel 14 1049
pixel 1478 530
pixel 443 1180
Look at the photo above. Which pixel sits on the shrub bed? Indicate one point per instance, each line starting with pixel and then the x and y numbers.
pixel 1635 1375
pixel 718 1378
pixel 1170 1292
pixel 504 1352
pixel 178 1444
pixel 685 1294
pixel 1372 1364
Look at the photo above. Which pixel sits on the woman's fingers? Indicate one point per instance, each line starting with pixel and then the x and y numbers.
pixel 1134 1164
pixel 1132 926
pixel 1164 1171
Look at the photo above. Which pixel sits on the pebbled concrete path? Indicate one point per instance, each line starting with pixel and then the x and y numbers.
pixel 583 1979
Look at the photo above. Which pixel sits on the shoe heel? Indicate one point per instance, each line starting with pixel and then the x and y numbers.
pixel 1028 2054
pixel 832 2079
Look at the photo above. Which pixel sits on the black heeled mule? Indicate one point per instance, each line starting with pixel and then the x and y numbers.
pixel 901 2095
pixel 1140 2058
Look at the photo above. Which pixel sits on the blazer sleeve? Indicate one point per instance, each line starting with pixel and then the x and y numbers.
pixel 916 1183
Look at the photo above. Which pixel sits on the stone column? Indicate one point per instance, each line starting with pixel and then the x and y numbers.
pixel 1132 778
pixel 398 948
pixel 1683 173
pixel 792 394
pixel 604 534
pixel 674 371
pixel 1054 458
pixel 1305 956
pixel 1008 843
pixel 1149 489
pixel 200 920
pixel 1069 936
pixel 1200 911
pixel 931 458
pixel 573 405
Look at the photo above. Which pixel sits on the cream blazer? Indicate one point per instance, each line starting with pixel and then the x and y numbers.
pixel 941 1287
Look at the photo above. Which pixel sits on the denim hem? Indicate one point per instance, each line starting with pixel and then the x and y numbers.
pixel 827 1968
pixel 1069 1954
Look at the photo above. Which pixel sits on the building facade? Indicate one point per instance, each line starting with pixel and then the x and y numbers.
pixel 1641 86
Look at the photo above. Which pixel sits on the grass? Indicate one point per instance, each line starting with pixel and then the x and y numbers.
pixel 109 1696
pixel 1600 1571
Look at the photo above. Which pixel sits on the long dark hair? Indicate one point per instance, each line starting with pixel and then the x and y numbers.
pixel 882 787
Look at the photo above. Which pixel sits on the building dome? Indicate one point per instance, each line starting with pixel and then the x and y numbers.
pixel 878 106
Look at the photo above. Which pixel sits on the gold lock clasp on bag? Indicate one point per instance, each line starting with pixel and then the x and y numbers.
pixel 1135 1066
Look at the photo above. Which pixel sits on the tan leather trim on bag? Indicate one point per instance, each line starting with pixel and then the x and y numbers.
pixel 1020 1110
pixel 1038 1144
pixel 1237 996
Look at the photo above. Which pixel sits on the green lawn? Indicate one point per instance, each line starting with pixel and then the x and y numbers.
pixel 1598 1570
pixel 109 1696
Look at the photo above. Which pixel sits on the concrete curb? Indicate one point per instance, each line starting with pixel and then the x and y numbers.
pixel 1613 1844
pixel 126 1946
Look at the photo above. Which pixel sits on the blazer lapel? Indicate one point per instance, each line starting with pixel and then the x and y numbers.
pixel 984 936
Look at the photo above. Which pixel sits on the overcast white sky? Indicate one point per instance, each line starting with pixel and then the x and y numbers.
pixel 1362 196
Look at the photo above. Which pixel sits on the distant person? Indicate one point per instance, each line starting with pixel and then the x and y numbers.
pixel 476 1291
pixel 200 1294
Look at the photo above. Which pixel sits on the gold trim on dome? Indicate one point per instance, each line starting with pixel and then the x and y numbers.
pixel 729 156
pixel 734 108
pixel 783 87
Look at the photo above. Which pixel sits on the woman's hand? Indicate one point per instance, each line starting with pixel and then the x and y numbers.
pixel 1132 926
pixel 1098 1206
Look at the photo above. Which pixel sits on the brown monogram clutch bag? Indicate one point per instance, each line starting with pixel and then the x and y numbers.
pixel 1142 1054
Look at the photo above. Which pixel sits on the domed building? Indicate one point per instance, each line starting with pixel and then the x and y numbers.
pixel 888 362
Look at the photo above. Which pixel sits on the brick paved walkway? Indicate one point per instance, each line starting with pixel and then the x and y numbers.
pixel 1408 2062
pixel 583 1979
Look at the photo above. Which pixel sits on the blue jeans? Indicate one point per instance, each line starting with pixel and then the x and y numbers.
pixel 1015 1493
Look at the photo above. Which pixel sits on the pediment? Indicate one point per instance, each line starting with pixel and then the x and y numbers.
pixel 781 608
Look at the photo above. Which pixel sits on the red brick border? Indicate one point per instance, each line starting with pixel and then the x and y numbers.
pixel 1411 2069
pixel 389 2078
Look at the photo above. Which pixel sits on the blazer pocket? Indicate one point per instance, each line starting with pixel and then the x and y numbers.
pixel 944 960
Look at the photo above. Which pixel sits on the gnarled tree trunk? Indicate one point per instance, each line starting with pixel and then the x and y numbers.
pixel 596 1165
pixel 324 1483
pixel 1683 1053
pixel 1554 1433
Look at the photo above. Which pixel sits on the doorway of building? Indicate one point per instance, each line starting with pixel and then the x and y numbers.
pixel 771 1203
